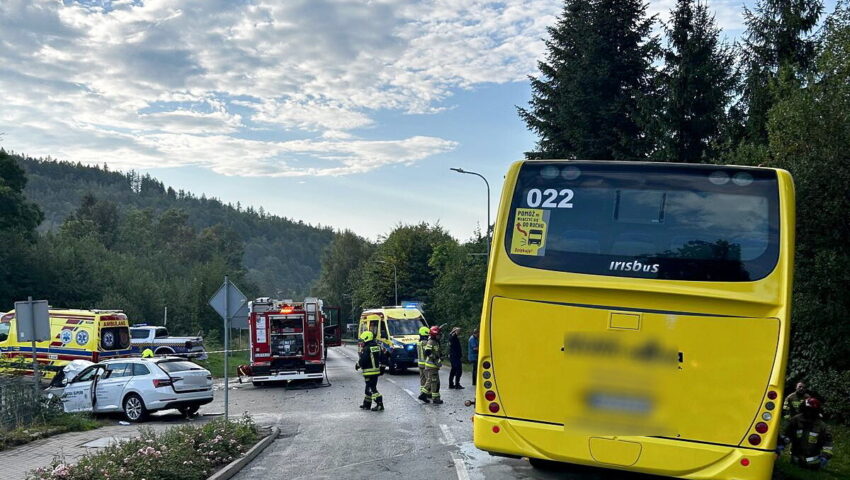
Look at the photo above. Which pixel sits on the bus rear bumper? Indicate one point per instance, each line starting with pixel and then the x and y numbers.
pixel 656 456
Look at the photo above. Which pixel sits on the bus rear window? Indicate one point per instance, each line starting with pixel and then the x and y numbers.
pixel 677 222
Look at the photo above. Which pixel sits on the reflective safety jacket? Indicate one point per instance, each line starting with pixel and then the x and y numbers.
pixel 433 354
pixel 810 439
pixel 420 350
pixel 793 403
pixel 370 358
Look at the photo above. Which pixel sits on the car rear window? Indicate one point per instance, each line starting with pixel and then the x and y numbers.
pixel 139 333
pixel 178 366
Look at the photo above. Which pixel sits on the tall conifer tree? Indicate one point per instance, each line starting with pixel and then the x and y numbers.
pixel 698 82
pixel 778 41
pixel 586 103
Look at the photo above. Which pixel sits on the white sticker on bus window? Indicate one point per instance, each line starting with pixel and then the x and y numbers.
pixel 530 229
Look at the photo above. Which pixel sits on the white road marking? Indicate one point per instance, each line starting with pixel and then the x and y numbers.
pixel 407 391
pixel 411 393
pixel 460 467
pixel 447 434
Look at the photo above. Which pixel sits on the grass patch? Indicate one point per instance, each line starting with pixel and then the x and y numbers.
pixel 61 423
pixel 838 468
pixel 215 363
pixel 186 452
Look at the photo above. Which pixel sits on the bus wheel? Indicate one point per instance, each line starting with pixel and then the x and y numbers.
pixel 541 464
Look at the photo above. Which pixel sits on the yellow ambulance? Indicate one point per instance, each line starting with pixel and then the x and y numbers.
pixel 91 335
pixel 396 330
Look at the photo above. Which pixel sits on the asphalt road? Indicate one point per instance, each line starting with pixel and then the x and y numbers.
pixel 325 435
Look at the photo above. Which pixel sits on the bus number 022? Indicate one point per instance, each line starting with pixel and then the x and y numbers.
pixel 548 198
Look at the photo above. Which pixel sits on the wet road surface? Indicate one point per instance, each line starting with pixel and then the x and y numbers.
pixel 325 435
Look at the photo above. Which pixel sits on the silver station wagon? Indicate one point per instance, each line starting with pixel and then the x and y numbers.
pixel 138 386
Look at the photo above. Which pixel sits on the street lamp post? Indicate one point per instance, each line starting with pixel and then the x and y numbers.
pixel 460 170
pixel 395 278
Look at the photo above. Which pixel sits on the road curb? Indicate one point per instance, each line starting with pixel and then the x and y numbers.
pixel 235 466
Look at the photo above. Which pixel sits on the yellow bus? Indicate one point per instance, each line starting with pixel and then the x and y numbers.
pixel 636 317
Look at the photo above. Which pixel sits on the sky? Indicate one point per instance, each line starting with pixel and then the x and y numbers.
pixel 342 113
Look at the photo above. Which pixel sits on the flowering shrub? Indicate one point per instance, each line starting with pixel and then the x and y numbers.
pixel 184 453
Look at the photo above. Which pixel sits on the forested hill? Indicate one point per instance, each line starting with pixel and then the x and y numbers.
pixel 279 254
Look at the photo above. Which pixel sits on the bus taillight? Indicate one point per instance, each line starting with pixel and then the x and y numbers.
pixel 490 395
pixel 494 407
pixel 761 427
pixel 772 395
pixel 754 439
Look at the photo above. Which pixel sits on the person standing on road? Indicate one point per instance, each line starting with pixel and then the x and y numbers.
pixel 810 438
pixel 424 392
pixel 369 362
pixel 472 354
pixel 433 362
pixel 147 353
pixel 454 358
pixel 794 402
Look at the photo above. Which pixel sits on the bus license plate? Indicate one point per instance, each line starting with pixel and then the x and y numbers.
pixel 605 402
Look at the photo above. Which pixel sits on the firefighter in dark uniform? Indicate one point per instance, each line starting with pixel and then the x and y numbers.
pixel 810 438
pixel 424 393
pixel 433 362
pixel 794 402
pixel 370 363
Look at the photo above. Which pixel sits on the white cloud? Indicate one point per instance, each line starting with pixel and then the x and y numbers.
pixel 207 82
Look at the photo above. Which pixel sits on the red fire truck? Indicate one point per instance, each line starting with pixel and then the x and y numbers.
pixel 289 339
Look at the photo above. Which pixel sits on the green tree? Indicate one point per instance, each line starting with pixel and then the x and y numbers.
pixel 16 213
pixel 596 84
pixel 341 263
pixel 810 136
pixel 409 248
pixel 778 43
pixel 458 291
pixel 697 84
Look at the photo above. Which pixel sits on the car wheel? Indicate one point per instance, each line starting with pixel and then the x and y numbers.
pixel 259 384
pixel 189 411
pixel 134 408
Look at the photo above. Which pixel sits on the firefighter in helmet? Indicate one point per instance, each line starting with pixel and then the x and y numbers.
pixel 794 402
pixel 433 362
pixel 370 363
pixel 424 393
pixel 810 438
pixel 147 353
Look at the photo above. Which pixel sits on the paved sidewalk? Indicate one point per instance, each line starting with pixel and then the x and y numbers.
pixel 16 462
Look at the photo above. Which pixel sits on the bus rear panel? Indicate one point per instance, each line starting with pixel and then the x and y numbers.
pixel 636 317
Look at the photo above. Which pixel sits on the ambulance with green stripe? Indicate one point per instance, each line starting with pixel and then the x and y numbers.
pixel 91 335
pixel 396 330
